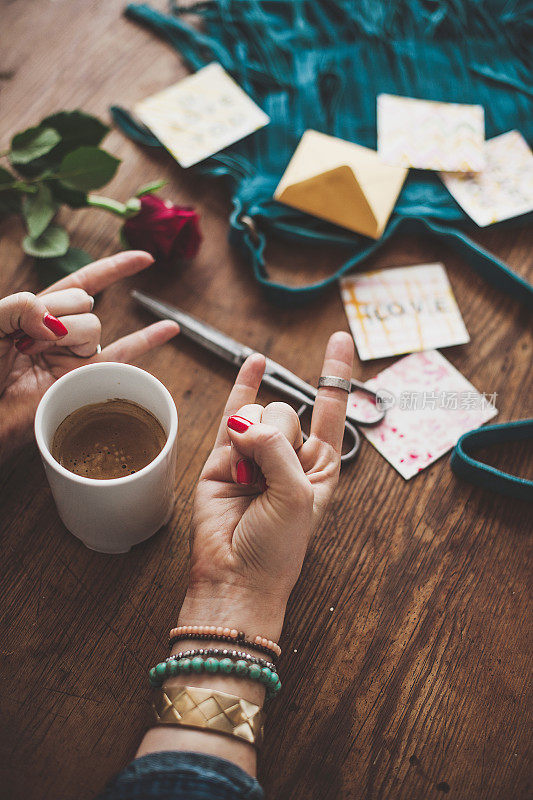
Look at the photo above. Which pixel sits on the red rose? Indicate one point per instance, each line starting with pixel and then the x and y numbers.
pixel 166 231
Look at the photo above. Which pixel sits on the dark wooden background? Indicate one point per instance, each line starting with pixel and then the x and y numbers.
pixel 407 640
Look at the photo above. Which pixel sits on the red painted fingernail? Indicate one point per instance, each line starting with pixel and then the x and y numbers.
pixel 239 424
pixel 55 325
pixel 24 343
pixel 245 472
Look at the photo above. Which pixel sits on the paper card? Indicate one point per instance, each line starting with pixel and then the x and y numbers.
pixel 504 188
pixel 425 134
pixel 429 406
pixel 402 310
pixel 200 115
pixel 341 182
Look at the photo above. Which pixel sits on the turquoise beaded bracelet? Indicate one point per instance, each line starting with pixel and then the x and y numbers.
pixel 225 666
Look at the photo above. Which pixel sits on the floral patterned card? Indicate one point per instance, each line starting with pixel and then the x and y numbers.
pixel 429 406
pixel 201 115
pixel 504 188
pixel 402 310
pixel 425 134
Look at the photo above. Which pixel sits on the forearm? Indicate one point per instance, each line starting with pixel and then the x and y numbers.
pixel 233 608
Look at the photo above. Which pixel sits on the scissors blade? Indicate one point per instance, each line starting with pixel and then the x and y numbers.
pixel 196 330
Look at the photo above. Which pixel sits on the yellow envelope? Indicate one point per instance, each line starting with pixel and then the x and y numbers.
pixel 341 182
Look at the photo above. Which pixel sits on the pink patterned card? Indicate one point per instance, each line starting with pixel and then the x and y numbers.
pixel 429 406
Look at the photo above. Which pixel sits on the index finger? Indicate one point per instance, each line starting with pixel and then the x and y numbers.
pixel 244 391
pixel 329 412
pixel 99 275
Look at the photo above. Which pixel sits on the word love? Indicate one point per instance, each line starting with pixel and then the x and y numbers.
pixel 402 310
pixel 383 311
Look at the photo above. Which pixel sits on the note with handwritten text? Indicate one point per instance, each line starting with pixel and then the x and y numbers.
pixel 201 115
pixel 402 310
pixel 504 189
pixel 427 134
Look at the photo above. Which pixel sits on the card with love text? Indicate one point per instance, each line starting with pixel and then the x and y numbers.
pixel 426 134
pixel 504 189
pixel 429 406
pixel 402 310
pixel 201 115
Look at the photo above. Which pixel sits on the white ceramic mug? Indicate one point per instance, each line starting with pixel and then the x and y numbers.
pixel 110 516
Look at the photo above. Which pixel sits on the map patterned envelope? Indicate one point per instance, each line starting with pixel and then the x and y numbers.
pixel 201 115
pixel 430 405
pixel 504 189
pixel 402 310
pixel 426 134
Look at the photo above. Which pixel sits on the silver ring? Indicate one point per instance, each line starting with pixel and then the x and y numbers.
pixel 96 352
pixel 335 383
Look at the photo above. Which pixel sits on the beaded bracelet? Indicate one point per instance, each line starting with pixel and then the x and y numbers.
pixel 173 667
pixel 210 632
pixel 216 651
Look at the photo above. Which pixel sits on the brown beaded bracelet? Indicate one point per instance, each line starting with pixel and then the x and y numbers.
pixel 220 634
pixel 218 652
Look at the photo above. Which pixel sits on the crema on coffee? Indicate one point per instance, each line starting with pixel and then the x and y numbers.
pixel 108 440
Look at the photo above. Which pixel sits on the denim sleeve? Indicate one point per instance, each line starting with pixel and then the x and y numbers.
pixel 182 776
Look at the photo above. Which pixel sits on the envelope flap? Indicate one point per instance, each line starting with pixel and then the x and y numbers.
pixel 381 184
pixel 319 154
pixel 334 195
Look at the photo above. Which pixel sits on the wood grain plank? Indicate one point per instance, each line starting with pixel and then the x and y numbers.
pixel 408 637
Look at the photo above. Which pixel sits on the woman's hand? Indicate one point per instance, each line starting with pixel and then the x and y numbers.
pixel 260 495
pixel 46 335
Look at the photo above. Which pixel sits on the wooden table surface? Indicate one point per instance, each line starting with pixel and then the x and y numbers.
pixel 407 639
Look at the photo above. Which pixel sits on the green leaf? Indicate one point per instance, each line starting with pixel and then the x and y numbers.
pixel 10 202
pixel 52 269
pixel 87 168
pixel 32 143
pixel 150 187
pixel 6 176
pixel 38 211
pixel 64 194
pixel 76 129
pixel 50 244
pixel 8 179
pixel 25 188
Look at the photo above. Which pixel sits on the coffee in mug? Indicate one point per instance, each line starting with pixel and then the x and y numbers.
pixel 108 440
pixel 122 422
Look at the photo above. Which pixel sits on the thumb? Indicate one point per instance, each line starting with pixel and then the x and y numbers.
pixel 25 313
pixel 273 454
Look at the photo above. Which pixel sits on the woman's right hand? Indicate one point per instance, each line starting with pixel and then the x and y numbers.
pixel 250 535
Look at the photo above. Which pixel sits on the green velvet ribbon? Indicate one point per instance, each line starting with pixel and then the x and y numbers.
pixel 478 472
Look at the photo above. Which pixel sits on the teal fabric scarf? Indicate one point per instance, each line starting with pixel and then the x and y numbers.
pixel 320 64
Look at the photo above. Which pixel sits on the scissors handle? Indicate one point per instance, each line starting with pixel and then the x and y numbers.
pixel 286 389
pixel 350 432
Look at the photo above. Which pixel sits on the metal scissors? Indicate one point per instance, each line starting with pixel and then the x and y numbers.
pixel 276 376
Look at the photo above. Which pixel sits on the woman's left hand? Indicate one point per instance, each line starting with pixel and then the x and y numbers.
pixel 44 336
pixel 260 496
